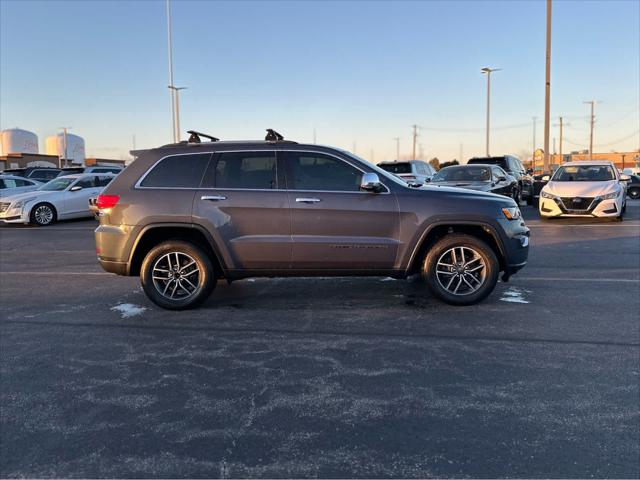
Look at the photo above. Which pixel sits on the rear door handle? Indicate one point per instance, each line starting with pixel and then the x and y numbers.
pixel 213 198
pixel 307 200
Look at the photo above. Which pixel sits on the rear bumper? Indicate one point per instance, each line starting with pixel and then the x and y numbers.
pixel 112 248
pixel 119 268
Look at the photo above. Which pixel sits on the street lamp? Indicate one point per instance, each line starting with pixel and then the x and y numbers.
pixel 488 71
pixel 177 109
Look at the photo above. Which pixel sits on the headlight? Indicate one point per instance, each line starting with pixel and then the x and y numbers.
pixel 611 195
pixel 18 204
pixel 512 213
pixel 544 194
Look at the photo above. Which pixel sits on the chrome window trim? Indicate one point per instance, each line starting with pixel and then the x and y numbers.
pixel 138 185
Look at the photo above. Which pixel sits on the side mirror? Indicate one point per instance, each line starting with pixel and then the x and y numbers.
pixel 75 188
pixel 370 183
pixel 546 178
pixel 625 178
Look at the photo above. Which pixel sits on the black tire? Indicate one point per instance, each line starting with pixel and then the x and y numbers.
pixel 515 194
pixel 490 270
pixel 204 282
pixel 43 214
pixel 634 193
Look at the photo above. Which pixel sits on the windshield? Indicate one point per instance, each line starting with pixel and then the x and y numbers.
pixel 57 184
pixel 463 174
pixel 398 167
pixel 584 173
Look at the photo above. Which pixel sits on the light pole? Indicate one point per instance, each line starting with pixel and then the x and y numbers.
pixel 64 145
pixel 397 139
pixel 488 71
pixel 591 122
pixel 177 111
pixel 547 91
pixel 171 87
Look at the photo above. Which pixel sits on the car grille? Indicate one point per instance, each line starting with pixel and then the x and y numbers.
pixel 580 204
pixel 4 206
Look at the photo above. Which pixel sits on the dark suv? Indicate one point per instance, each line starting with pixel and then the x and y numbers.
pixel 184 215
pixel 513 166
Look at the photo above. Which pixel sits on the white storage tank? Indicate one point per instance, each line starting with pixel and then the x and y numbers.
pixel 16 140
pixel 75 147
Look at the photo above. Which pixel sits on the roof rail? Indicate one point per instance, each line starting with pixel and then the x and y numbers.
pixel 273 136
pixel 195 137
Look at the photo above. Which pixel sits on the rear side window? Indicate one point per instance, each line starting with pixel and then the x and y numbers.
pixel 45 174
pixel 103 181
pixel 177 171
pixel 244 170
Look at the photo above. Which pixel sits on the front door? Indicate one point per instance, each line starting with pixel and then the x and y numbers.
pixel 76 203
pixel 334 224
pixel 241 203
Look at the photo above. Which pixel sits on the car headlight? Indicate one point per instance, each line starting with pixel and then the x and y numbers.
pixel 512 213
pixel 18 204
pixel 611 195
pixel 544 194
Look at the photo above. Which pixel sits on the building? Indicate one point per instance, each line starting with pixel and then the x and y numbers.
pixel 621 160
pixel 22 160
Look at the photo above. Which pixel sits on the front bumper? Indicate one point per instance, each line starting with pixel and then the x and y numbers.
pixel 516 246
pixel 15 215
pixel 554 207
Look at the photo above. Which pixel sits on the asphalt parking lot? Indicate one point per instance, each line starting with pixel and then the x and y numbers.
pixel 361 377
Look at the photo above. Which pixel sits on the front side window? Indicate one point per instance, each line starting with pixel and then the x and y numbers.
pixel 103 181
pixel 177 171
pixel 242 170
pixel 89 182
pixel 320 172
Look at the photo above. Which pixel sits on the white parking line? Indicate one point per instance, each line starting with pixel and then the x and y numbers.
pixel 41 274
pixel 44 229
pixel 616 225
pixel 573 279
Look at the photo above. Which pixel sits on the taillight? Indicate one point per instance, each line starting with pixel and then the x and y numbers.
pixel 107 201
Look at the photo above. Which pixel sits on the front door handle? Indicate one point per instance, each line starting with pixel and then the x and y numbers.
pixel 307 200
pixel 213 198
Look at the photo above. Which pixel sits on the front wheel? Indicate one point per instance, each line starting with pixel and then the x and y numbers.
pixel 461 269
pixel 177 275
pixel 634 193
pixel 43 214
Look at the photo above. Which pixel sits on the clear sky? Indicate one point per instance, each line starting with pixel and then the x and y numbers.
pixel 360 73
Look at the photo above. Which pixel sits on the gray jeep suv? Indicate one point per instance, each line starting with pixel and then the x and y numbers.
pixel 184 215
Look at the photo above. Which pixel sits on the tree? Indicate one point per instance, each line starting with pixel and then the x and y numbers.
pixel 435 163
pixel 448 164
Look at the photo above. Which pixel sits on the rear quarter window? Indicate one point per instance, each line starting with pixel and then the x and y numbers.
pixel 177 171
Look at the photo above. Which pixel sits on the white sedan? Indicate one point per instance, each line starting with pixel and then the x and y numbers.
pixel 62 198
pixel 12 184
pixel 584 189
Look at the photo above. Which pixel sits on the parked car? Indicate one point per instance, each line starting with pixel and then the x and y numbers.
pixel 115 169
pixel 513 166
pixel 41 174
pixel 412 171
pixel 633 187
pixel 578 189
pixel 484 178
pixel 62 198
pixel 12 184
pixel 197 212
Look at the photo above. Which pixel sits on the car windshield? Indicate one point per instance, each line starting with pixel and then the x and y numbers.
pixel 464 174
pixel 396 167
pixel 57 184
pixel 584 173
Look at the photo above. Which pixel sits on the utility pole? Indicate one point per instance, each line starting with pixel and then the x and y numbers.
pixel 171 86
pixel 177 110
pixel 561 124
pixel 460 159
pixel 415 136
pixel 397 139
pixel 591 122
pixel 547 90
pixel 488 71
pixel 314 136
pixel 533 149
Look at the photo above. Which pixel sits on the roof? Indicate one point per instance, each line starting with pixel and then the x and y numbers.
pixel 589 162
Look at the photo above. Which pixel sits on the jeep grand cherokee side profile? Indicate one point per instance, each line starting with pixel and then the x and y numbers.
pixel 184 215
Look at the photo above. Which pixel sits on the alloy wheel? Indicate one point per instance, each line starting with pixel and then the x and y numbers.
pixel 176 275
pixel 43 215
pixel 461 270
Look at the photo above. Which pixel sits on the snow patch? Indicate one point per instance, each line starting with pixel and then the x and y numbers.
pixel 128 309
pixel 514 295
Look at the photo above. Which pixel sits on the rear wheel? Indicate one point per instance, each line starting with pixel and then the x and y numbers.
pixel 177 275
pixel 461 269
pixel 43 214
pixel 634 193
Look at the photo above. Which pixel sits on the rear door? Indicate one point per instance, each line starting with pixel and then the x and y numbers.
pixel 335 225
pixel 501 182
pixel 241 203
